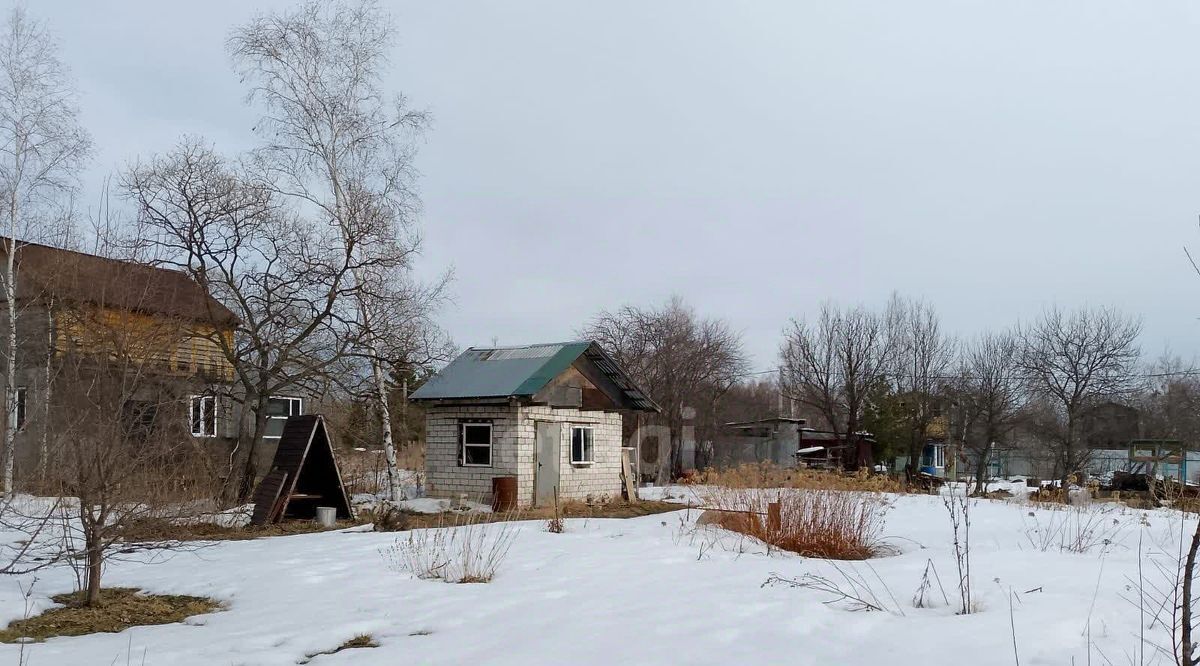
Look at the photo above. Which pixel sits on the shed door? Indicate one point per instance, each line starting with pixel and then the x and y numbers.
pixel 549 451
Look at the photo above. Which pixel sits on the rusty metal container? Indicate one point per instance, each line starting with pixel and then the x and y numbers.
pixel 774 518
pixel 504 493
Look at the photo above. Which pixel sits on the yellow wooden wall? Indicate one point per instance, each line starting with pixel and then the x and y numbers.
pixel 176 347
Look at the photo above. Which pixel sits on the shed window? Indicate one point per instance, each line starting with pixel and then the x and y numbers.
pixel 477 444
pixel 203 415
pixel 582 450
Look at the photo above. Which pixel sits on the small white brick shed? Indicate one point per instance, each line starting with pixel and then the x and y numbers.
pixel 547 414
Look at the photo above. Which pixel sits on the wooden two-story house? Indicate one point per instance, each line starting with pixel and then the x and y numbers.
pixel 77 308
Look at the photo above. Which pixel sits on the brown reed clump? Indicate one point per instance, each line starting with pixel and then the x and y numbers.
pixel 828 524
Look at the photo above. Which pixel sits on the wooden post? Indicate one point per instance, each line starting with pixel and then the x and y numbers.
pixel 774 518
pixel 630 486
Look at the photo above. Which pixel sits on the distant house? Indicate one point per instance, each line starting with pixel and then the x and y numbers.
pixel 771 440
pixel 547 414
pixel 786 442
pixel 77 305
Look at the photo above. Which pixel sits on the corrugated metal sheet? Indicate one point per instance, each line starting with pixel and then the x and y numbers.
pixel 532 351
pixel 521 372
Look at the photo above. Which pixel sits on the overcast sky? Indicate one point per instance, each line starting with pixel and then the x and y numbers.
pixel 757 158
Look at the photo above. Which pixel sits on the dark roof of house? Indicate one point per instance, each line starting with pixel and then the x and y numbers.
pixel 520 372
pixel 50 272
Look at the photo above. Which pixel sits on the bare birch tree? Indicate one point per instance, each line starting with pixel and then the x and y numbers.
pixel 335 141
pixel 42 147
pixel 832 364
pixel 1076 360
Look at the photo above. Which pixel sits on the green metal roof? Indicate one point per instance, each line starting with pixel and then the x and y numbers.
pixel 508 372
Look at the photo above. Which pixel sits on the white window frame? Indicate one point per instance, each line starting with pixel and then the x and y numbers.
pixel 208 413
pixel 20 407
pixel 591 430
pixel 291 399
pixel 462 430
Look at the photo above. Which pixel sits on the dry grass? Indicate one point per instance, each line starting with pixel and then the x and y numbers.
pixel 151 530
pixel 766 475
pixel 816 523
pixel 119 609
pixel 359 641
pixel 390 519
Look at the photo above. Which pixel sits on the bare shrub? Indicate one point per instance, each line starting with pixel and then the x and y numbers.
pixel 469 552
pixel 1075 529
pixel 816 523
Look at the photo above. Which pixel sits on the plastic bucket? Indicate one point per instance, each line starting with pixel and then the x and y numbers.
pixel 326 516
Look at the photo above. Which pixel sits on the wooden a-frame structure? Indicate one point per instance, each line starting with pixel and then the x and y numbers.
pixel 303 476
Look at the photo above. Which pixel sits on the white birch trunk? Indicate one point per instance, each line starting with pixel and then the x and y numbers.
pixel 10 357
pixel 395 491
pixel 44 453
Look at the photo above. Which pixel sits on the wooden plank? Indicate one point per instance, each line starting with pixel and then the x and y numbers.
pixel 627 475
pixel 266 498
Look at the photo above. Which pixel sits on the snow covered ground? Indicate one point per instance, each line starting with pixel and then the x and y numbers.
pixel 650 590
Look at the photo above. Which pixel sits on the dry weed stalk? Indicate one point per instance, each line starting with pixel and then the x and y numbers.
pixel 555 524
pixel 1164 595
pixel 958 506
pixel 1076 529
pixel 921 596
pixel 856 592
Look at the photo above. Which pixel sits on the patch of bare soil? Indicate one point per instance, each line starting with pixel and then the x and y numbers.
pixel 119 609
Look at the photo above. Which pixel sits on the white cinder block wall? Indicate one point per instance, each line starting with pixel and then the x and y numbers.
pixel 443 475
pixel 514 447
pixel 600 479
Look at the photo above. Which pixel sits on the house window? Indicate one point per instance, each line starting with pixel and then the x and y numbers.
pixel 203 415
pixel 582 450
pixel 278 411
pixel 477 444
pixel 18 407
pixel 138 418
